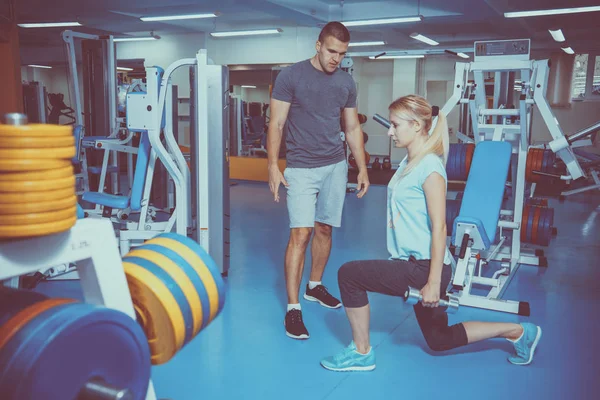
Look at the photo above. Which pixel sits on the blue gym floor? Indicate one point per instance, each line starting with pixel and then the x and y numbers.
pixel 245 354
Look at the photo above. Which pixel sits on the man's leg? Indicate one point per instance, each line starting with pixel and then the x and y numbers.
pixel 320 250
pixel 330 205
pixel 294 261
pixel 301 200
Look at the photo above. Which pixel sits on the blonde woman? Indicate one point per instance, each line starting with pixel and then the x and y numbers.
pixel 416 241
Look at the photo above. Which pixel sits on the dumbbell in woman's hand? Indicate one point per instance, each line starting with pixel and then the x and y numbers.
pixel 413 296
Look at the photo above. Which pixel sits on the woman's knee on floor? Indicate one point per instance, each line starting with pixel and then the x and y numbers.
pixel 446 338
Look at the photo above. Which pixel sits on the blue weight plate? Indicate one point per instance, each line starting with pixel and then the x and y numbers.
pixel 551 210
pixel 546 161
pixel 14 300
pixel 55 354
pixel 544 218
pixel 175 289
pixel 544 230
pixel 456 162
pixel 551 160
pixel 208 261
pixel 191 273
pixel 450 162
pixel 528 238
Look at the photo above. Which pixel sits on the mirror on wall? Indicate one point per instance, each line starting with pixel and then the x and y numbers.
pixel 250 88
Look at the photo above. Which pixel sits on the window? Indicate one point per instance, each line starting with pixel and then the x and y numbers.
pixel 586 77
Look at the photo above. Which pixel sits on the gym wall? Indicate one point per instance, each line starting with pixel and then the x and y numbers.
pixel 379 81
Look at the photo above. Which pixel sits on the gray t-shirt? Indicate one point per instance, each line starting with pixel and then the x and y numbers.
pixel 317 99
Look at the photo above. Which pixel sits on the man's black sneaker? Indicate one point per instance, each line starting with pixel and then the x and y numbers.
pixel 294 326
pixel 321 295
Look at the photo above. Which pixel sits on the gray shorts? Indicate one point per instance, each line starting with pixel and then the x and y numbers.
pixel 316 194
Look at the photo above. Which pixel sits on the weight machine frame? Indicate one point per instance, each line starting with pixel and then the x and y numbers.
pixel 492 124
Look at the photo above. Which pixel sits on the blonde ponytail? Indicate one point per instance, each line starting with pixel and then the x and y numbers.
pixel 441 129
pixel 415 107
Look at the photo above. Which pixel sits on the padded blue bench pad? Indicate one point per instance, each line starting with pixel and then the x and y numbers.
pixel 108 200
pixel 484 191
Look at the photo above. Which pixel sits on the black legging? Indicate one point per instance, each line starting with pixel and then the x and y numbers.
pixel 392 277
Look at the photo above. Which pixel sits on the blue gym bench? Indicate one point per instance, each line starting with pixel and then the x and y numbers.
pixel 475 230
pixel 134 201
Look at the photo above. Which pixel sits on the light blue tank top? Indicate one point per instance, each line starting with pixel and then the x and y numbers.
pixel 409 225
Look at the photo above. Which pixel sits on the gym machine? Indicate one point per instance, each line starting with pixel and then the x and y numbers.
pixel 34 102
pixel 97 114
pixel 202 205
pixel 138 310
pixel 505 133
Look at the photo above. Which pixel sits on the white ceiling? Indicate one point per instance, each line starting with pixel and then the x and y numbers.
pixel 453 23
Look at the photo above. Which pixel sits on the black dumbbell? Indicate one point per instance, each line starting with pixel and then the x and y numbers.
pixel 413 296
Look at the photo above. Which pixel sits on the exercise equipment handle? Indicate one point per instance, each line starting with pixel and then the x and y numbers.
pixel 382 121
pixel 583 133
pixel 413 296
pixel 463 246
pixel 98 390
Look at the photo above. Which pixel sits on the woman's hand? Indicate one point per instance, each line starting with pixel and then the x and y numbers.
pixel 431 294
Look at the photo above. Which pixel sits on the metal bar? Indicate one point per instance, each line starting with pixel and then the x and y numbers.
pixel 499 111
pixel 584 133
pixel 98 390
pixel 382 121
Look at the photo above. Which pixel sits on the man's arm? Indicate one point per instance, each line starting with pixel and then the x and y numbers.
pixel 354 137
pixel 278 116
pixel 279 113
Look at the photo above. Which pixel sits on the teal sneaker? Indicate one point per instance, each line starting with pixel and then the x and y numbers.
pixel 525 346
pixel 350 360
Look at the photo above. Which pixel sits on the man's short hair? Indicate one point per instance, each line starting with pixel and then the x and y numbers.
pixel 335 29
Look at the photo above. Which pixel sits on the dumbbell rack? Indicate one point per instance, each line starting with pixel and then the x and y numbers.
pixel 92 245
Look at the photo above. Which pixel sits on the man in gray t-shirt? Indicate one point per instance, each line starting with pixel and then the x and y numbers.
pixel 310 99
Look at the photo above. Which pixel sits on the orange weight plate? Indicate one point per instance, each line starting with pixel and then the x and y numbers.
pixel 38 154
pixel 13 325
pixel 27 165
pixel 30 197
pixel 34 230
pixel 38 186
pixel 63 172
pixel 35 130
pixel 158 311
pixel 22 220
pixel 37 207
pixel 36 142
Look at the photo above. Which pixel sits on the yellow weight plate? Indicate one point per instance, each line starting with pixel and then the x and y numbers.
pixel 196 262
pixel 38 218
pixel 26 231
pixel 13 165
pixel 20 319
pixel 37 175
pixel 160 315
pixel 37 207
pixel 31 197
pixel 35 130
pixel 38 186
pixel 36 142
pixel 39 154
pixel 178 276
